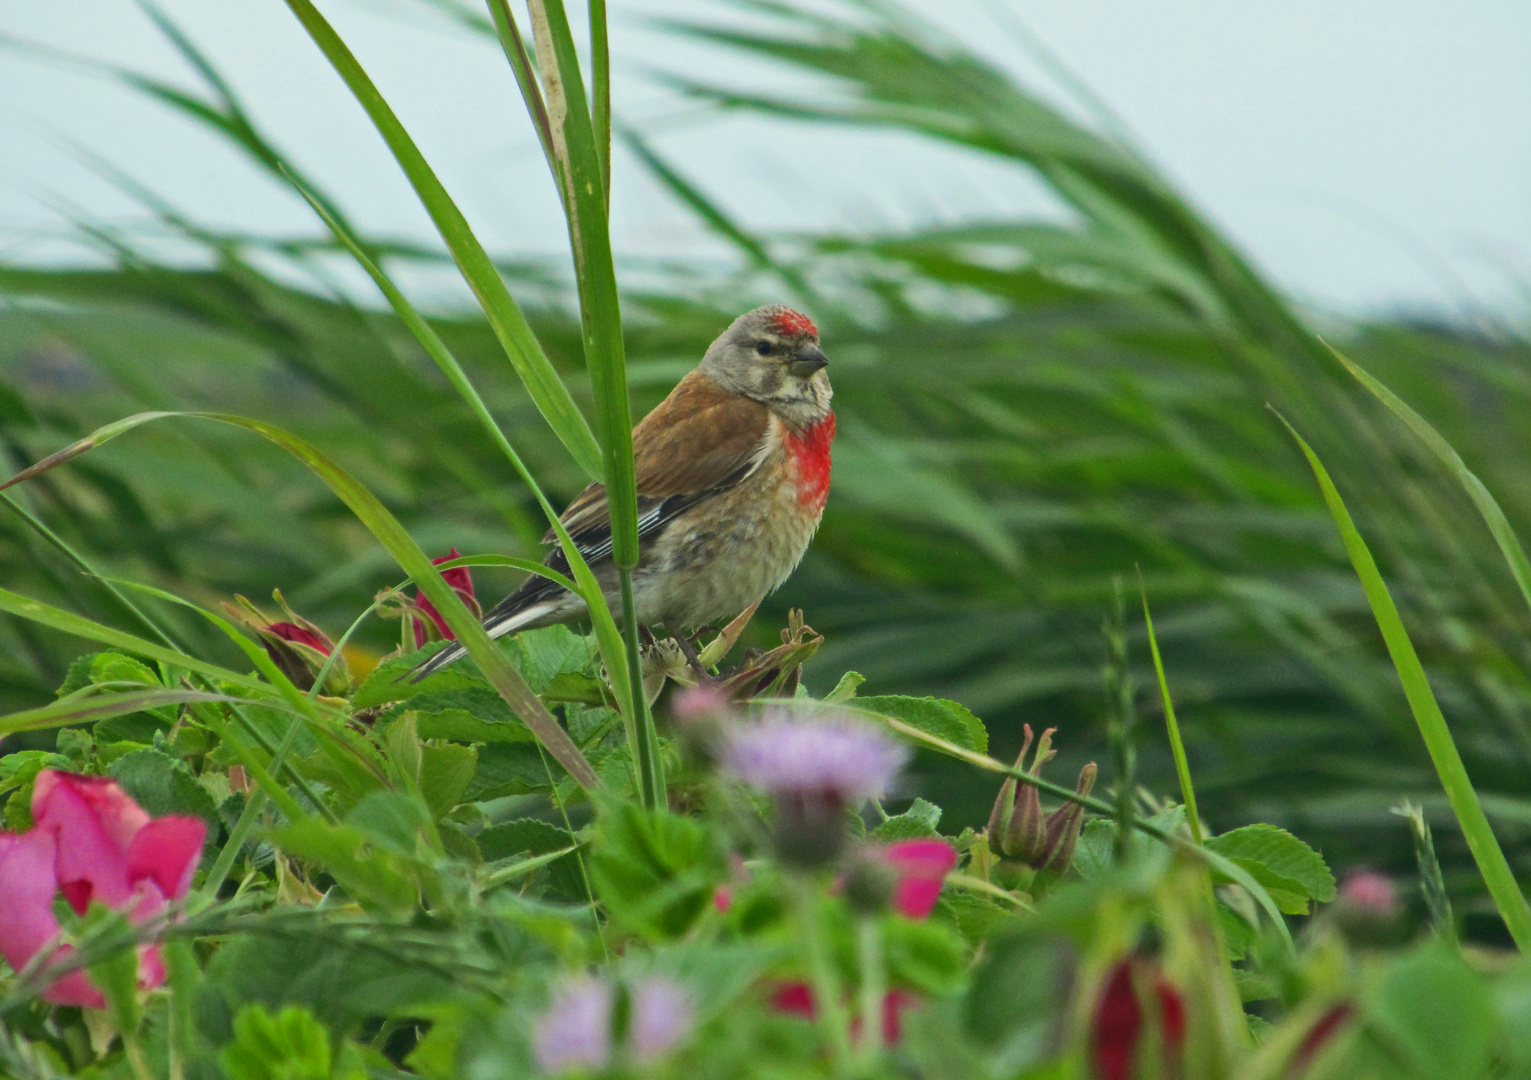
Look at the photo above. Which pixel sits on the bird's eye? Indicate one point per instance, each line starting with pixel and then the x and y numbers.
pixel 764 348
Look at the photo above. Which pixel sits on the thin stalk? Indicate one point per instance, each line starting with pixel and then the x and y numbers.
pixel 640 718
pixel 874 988
pixel 1433 729
pixel 247 818
pixel 1120 692
pixel 829 1011
pixel 1177 747
pixel 1443 923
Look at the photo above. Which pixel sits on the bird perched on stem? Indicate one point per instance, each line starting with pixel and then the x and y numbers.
pixel 733 471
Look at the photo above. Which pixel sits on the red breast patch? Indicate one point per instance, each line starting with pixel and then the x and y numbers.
pixel 809 453
pixel 792 323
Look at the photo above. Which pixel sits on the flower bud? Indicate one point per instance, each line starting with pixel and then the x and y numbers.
pixel 1016 828
pixel 1063 826
pixel 870 883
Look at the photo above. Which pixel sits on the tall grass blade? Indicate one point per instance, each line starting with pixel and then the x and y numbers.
pixel 1481 841
pixel 578 151
pixel 1482 498
pixel 613 650
pixel 77 709
pixel 502 311
pixel 494 664
pixel 1172 726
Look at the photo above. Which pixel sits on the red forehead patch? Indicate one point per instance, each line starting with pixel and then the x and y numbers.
pixel 791 323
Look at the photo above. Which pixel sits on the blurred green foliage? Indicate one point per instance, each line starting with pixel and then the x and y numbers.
pixel 1028 410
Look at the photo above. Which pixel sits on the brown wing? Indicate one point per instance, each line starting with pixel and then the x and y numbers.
pixel 699 440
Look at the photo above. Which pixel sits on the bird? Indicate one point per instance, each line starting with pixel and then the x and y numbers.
pixel 732 474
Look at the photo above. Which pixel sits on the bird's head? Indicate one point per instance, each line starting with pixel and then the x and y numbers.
pixel 772 355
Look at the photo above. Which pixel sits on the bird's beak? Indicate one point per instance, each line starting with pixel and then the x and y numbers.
pixel 806 359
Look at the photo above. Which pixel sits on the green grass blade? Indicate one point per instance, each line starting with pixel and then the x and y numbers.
pixel 1481 841
pixel 514 44
pixel 494 664
pixel 504 314
pixel 69 623
pixel 578 151
pixel 75 709
pixel 1499 525
pixel 600 92
pixel 1172 726
pixel 613 650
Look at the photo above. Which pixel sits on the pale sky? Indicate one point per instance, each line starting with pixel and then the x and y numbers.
pixel 1372 156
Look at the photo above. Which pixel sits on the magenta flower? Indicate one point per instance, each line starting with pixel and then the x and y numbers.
pixel 301 635
pixel 836 758
pixel 90 842
pixel 462 581
pixel 576 1030
pixel 921 867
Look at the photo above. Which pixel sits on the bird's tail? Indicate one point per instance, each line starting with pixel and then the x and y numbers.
pixel 508 623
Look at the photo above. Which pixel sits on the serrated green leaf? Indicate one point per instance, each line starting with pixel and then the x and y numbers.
pixel 935 716
pixel 920 820
pixel 162 784
pixel 1278 855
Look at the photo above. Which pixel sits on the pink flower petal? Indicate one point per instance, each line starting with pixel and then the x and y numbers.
pixel 795 998
pixel 166 851
pixel 921 866
pixel 95 823
pixel 74 989
pixel 27 886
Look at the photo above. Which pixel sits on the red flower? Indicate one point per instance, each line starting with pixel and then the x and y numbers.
pixel 91 842
pixel 461 580
pixel 796 999
pixel 921 866
pixel 1117 1026
pixel 302 635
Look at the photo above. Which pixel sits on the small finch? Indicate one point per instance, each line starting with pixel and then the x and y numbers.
pixel 733 471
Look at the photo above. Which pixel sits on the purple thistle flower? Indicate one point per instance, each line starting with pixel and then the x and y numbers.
pixel 830 758
pixel 576 1029
pixel 662 1017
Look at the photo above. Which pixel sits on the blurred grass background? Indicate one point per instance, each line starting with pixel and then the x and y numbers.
pixel 1029 409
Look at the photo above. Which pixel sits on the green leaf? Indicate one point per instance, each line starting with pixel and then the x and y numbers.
pixel 845 689
pixel 507 769
pixel 920 820
pixel 468 714
pixel 388 683
pixel 934 716
pixel 1278 860
pixel 292 1045
pixel 117 976
pixel 655 871
pixel 522 836
pixel 925 956
pixel 377 879
pixel 162 784
pixel 445 773
pixel 1436 1014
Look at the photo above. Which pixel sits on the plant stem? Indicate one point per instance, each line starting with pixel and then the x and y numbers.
pixel 651 780
pixel 874 988
pixel 1171 725
pixel 1120 691
pixel 829 1011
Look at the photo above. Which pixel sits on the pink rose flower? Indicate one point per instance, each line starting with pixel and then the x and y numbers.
pixel 921 867
pixel 90 842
